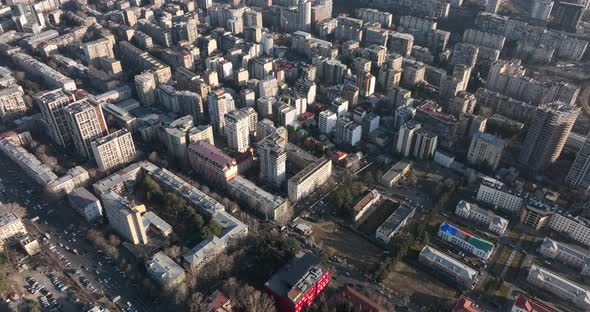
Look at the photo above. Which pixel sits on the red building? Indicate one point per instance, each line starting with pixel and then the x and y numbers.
pixel 298 283
pixel 211 163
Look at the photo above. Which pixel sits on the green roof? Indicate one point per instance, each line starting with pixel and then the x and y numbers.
pixel 481 244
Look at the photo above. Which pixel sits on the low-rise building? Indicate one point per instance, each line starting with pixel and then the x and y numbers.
pixel 561 252
pixel 364 207
pixel 559 286
pixel 466 304
pixel 10 227
pixel 299 283
pixel 465 240
pixel 211 163
pixel 151 220
pixel 470 211
pixel 396 172
pixel 396 221
pixel 448 267
pixel 272 207
pixel 164 270
pixel 73 178
pixel 204 252
pixel 495 193
pixel 86 204
pixel 523 303
pixel 29 244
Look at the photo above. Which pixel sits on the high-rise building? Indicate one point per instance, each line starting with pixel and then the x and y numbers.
pixel 237 130
pixel 52 105
pixel 579 175
pixel 486 149
pixel 114 150
pixel 424 144
pixel 405 137
pixel 327 121
pixel 348 132
pixel 145 85
pixel 220 103
pixel 542 9
pixel 273 159
pixel 550 126
pixel 86 122
pixel 125 217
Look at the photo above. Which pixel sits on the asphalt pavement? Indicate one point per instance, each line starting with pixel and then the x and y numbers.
pixel 55 220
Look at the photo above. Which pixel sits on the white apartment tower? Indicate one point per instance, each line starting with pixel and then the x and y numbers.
pixel 87 123
pixel 237 130
pixel 113 150
pixel 273 159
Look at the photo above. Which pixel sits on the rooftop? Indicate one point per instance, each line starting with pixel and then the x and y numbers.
pixel 436 256
pixel 162 266
pixel 295 278
pixel 580 294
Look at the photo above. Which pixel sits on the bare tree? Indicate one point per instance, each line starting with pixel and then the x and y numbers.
pixel 13 208
pixel 114 240
pixel 173 251
pixel 253 300
pixel 197 303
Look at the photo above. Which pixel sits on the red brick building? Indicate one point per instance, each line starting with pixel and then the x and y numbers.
pixel 299 283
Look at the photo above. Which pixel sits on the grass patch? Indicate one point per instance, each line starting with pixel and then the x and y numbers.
pixel 500 260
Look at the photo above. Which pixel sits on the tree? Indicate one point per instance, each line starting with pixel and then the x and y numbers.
pixel 13 208
pixel 197 303
pixel 426 238
pixel 253 300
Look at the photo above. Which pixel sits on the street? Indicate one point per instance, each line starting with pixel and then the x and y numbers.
pixel 17 187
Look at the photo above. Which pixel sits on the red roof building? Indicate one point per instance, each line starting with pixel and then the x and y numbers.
pixel 523 303
pixel 211 163
pixel 464 304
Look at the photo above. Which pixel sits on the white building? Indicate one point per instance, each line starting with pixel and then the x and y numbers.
pixel 327 121
pixel 559 286
pixel 114 150
pixel 561 252
pixel 486 149
pixel 465 240
pixel 164 270
pixel 237 130
pixel 470 211
pixel 273 159
pixel 576 228
pixel 348 132
pixel 10 226
pixel 309 179
pixel 86 204
pixel 87 123
pixel 395 221
pixel 463 274
pixel 495 193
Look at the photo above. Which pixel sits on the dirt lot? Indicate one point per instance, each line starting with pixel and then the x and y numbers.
pixel 420 287
pixel 344 243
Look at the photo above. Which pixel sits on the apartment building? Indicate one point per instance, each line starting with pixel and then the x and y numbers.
pixel 485 149
pixel 473 212
pixel 237 130
pixel 465 240
pixel 309 179
pixel 114 150
pixel 460 273
pixel 559 286
pixel 165 271
pixel 211 163
pixel 86 204
pixel 568 255
pixel 270 206
pixel 10 227
pixel 273 159
pixel 125 217
pixel 579 174
pixel 12 103
pixel 52 105
pixel 495 193
pixel 87 123
pixel 364 207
